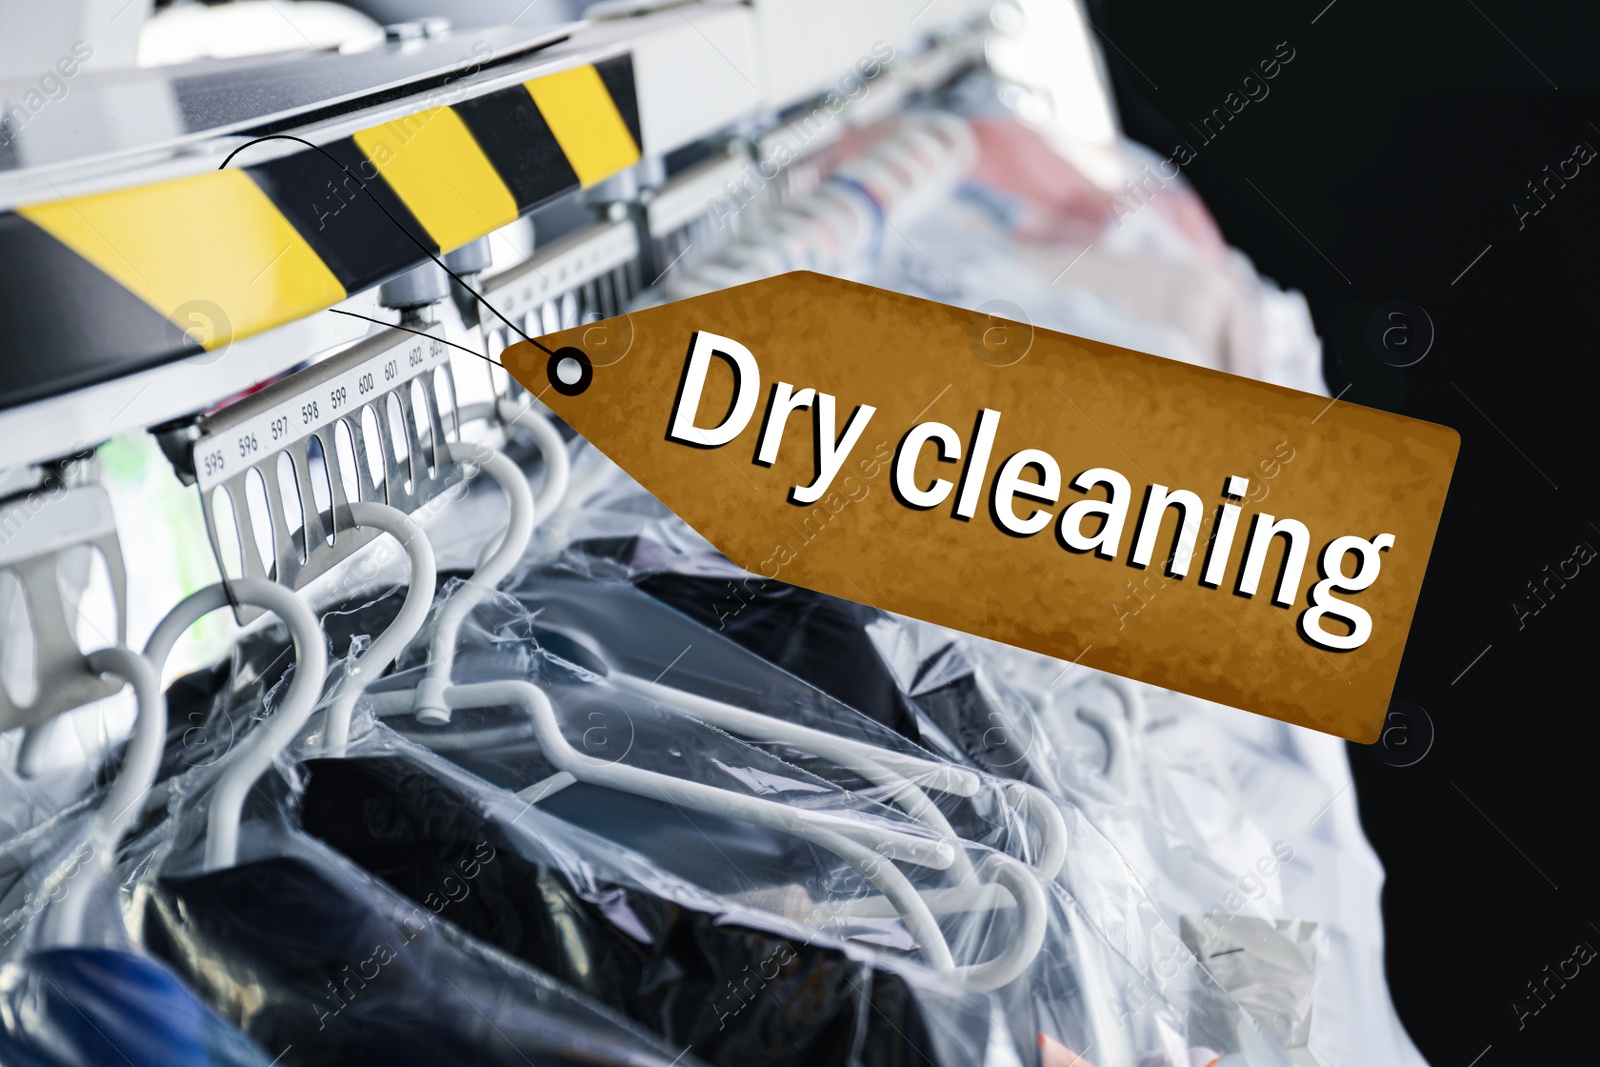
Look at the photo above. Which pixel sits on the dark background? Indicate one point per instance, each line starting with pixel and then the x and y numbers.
pixel 1385 160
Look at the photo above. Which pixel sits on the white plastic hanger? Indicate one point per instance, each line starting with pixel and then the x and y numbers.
pixel 64 924
pixel 431 706
pixel 142 760
pixel 499 556
pixel 255 754
pixel 387 646
pixel 1116 730
pixel 839 834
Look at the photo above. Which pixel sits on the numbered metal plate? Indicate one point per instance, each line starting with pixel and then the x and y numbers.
pixel 584 276
pixel 275 469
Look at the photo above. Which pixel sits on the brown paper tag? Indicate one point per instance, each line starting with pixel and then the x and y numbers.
pixel 1237 541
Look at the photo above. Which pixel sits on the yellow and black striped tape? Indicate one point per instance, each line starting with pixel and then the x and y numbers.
pixel 98 286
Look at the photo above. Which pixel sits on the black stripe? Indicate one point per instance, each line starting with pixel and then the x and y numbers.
pixel 342 224
pixel 514 135
pixel 617 74
pixel 68 324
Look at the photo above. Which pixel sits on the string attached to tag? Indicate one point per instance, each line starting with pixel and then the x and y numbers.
pixel 413 238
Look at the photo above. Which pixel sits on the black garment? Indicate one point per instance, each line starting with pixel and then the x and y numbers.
pixel 321 970
pixel 822 640
pixel 737 996
pixel 946 691
pixel 817 638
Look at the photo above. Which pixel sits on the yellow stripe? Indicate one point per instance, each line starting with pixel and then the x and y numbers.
pixel 211 247
pixel 586 123
pixel 432 161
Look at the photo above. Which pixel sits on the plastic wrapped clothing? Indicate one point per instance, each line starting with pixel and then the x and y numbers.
pixel 84 1007
pixel 322 964
pixel 1079 991
pixel 605 624
pixel 734 994
pixel 569 632
pixel 848 989
pixel 671 946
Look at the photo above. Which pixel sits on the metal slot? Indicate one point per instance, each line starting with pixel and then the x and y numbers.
pixel 36 531
pixel 586 276
pixel 383 390
pixel 700 239
pixel 690 195
pixel 698 212
pixel 572 263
